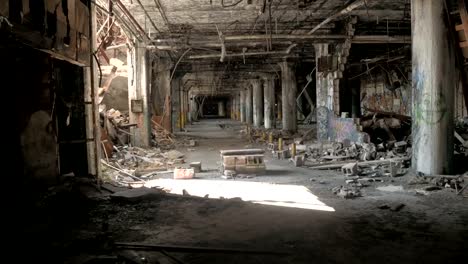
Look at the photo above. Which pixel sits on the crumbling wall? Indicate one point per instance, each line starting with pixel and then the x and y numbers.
pixel 61 26
pixel 378 93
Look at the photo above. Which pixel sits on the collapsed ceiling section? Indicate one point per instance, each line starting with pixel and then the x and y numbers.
pixel 244 36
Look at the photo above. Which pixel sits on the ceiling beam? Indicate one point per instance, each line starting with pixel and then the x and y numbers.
pixel 342 12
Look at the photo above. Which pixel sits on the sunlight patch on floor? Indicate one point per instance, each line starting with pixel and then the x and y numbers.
pixel 263 193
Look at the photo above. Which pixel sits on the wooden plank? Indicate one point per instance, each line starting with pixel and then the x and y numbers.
pixel 459 27
pixel 464 44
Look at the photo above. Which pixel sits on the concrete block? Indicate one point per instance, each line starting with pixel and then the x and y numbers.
pixel 350 169
pixel 284 154
pixel 299 160
pixel 272 146
pixel 180 173
pixel 196 166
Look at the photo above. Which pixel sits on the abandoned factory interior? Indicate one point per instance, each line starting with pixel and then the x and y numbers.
pixel 237 131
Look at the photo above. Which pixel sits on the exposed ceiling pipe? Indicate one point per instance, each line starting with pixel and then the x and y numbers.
pixel 344 11
pixel 216 56
pixel 127 13
pixel 362 38
pixel 122 22
pixel 148 16
pixel 163 14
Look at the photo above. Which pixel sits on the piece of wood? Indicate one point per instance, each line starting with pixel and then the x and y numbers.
pixel 121 171
pixel 464 143
pixel 177 248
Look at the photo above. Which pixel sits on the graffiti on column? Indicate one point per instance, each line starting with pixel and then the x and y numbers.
pixel 322 123
pixel 431 110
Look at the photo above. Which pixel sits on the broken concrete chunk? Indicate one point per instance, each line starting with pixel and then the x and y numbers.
pixel 196 166
pixel 174 154
pixel 299 160
pixel 192 143
pixel 350 169
pixel 347 193
pixel 180 173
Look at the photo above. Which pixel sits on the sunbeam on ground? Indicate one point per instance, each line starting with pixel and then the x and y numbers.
pixel 256 192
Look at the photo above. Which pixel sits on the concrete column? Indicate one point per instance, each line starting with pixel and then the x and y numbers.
pixel 249 106
pixel 288 92
pixel 193 108
pixel 434 80
pixel 161 92
pixel 221 109
pixel 257 93
pixel 234 106
pixel 269 102
pixel 138 90
pixel 176 104
pixel 242 106
pixel 324 98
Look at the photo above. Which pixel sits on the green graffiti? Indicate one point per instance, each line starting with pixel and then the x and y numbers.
pixel 429 111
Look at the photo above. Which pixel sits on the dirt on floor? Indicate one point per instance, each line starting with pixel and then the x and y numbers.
pixel 392 222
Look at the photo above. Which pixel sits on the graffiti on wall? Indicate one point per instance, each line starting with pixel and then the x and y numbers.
pixel 342 128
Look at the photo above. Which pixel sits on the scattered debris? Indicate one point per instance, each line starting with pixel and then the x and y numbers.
pixel 250 161
pixel 180 173
pixel 395 207
pixel 196 166
pixel 391 188
pixel 347 192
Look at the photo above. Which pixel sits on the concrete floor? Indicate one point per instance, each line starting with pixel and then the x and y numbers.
pixel 429 229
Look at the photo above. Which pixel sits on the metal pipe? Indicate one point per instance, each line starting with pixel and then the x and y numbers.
pixel 363 39
pixel 129 15
pixel 148 16
pixel 262 53
pixel 163 14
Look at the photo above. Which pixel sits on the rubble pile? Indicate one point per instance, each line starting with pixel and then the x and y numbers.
pixel 130 166
pixel 334 151
pixel 461 137
pixel 455 182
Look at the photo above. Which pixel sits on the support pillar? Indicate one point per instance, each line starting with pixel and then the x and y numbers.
pixel 161 92
pixel 221 109
pixel 242 106
pixel 257 93
pixel 138 91
pixel 288 92
pixel 325 91
pixel 434 80
pixel 177 104
pixel 193 108
pixel 269 102
pixel 248 106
